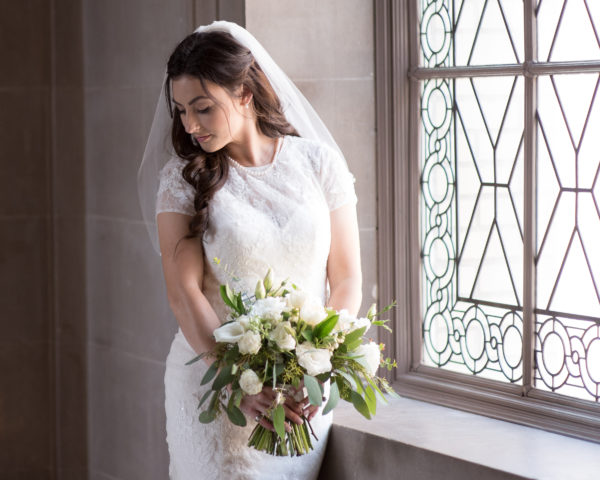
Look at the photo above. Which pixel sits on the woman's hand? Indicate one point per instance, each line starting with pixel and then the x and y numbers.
pixel 257 406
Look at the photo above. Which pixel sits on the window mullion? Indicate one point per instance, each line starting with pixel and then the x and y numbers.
pixel 529 174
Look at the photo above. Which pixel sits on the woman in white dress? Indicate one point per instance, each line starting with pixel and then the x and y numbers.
pixel 244 188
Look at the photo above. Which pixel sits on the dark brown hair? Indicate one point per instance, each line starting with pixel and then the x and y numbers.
pixel 218 58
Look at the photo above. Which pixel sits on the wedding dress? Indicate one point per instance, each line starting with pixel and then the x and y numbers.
pixel 277 216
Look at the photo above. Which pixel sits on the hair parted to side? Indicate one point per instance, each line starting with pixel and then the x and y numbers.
pixel 218 58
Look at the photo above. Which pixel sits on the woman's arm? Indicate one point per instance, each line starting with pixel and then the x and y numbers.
pixel 343 265
pixel 183 268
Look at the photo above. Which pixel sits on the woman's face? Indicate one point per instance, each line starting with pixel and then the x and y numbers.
pixel 212 116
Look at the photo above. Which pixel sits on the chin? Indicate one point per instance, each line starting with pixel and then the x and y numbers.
pixel 211 147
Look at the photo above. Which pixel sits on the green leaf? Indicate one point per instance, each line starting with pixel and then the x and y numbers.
pixel 204 397
pixel 211 413
pixel 372 311
pixel 224 378
pixel 279 421
pixel 278 369
pixel 354 345
pixel 354 335
pixel 324 328
pixel 315 394
pixel 358 383
pixel 241 309
pixel 370 400
pixel 360 405
pixel 236 416
pixel 334 397
pixel 210 373
pixel 376 388
pixel 195 359
pixel 307 333
pixel 207 416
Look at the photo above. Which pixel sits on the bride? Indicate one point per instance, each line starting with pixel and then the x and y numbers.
pixel 257 182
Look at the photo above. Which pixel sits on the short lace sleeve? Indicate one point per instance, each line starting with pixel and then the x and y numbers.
pixel 336 180
pixel 174 193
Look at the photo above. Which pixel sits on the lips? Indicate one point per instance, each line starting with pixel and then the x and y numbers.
pixel 201 139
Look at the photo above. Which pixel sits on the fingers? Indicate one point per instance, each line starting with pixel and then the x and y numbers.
pixel 311 411
pixel 293 415
pixel 297 407
pixel 264 421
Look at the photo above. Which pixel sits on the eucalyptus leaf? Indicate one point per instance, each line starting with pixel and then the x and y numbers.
pixel 236 416
pixel 210 373
pixel 207 416
pixel 315 395
pixel 279 421
pixel 198 357
pixel 223 378
pixel 204 397
pixel 360 405
pixel 334 397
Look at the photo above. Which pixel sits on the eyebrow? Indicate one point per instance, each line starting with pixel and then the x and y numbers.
pixel 192 101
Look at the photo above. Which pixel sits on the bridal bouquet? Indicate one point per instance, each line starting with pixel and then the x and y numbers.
pixel 284 338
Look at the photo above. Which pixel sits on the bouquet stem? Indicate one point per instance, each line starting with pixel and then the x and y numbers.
pixel 295 443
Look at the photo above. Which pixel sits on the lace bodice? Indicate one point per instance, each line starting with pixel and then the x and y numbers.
pixel 275 215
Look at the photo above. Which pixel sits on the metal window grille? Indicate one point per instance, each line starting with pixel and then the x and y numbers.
pixel 493 135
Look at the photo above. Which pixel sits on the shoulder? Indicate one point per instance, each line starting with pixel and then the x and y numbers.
pixel 171 177
pixel 173 167
pixel 311 151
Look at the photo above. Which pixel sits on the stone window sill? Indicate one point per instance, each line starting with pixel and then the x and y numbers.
pixel 413 439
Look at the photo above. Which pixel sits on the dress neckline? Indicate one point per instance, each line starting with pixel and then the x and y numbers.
pixel 261 169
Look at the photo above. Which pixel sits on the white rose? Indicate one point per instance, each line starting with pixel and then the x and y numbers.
pixel 229 333
pixel 296 298
pixel 249 343
pixel 250 383
pixel 269 308
pixel 371 357
pixel 345 321
pixel 360 323
pixel 312 311
pixel 314 360
pixel 282 336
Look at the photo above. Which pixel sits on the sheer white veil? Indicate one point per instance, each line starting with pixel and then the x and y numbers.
pixel 159 149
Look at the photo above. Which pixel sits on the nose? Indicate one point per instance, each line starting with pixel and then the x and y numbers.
pixel 190 123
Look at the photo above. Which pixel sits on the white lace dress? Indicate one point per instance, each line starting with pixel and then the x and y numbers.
pixel 274 216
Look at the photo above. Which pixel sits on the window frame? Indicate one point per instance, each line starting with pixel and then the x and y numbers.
pixel 398 189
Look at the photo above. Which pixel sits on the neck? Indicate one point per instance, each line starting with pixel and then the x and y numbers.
pixel 252 149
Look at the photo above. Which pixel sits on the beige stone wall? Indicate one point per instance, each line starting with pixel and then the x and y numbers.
pixel 327 48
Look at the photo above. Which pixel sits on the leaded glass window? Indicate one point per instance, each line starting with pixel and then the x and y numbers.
pixel 510 191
